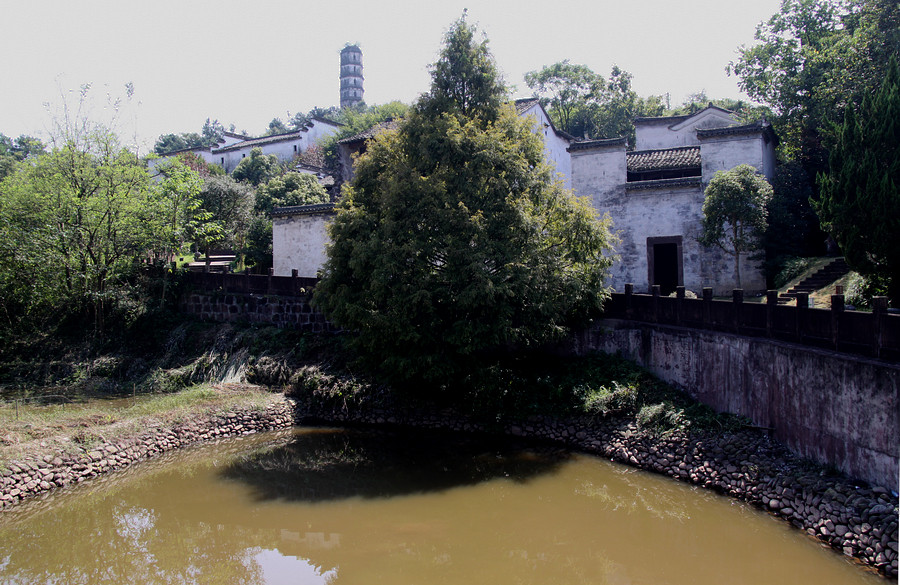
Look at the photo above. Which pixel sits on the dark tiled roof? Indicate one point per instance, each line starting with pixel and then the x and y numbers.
pixel 664 184
pixel 752 128
pixel 525 104
pixel 371 132
pixel 672 120
pixel 312 157
pixel 669 159
pixel 303 209
pixel 263 140
pixel 589 144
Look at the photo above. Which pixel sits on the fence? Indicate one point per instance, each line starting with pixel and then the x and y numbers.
pixel 872 334
pixel 246 283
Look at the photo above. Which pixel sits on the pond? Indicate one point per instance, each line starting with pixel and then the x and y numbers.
pixel 336 506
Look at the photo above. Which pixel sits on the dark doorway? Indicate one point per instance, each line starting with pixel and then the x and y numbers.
pixel 664 263
pixel 665 267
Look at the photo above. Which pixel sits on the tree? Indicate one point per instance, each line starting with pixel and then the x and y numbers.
pixel 812 57
pixel 257 168
pixel 734 213
pixel 455 243
pixel 860 197
pixel 290 189
pixel 566 90
pixel 167 143
pixel 584 104
pixel 230 207
pixel 276 126
pixel 212 132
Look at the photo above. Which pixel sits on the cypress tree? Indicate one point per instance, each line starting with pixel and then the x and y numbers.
pixel 860 197
pixel 455 242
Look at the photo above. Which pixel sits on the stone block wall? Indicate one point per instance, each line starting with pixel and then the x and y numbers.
pixel 293 312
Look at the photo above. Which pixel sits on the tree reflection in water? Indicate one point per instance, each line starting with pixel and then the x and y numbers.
pixel 331 464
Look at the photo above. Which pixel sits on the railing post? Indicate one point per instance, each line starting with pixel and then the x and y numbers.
pixel 295 281
pixel 802 307
pixel 879 312
pixel 269 281
pixel 655 302
pixel 707 306
pixel 629 300
pixel 679 303
pixel 737 305
pixel 771 303
pixel 837 307
pixel 246 281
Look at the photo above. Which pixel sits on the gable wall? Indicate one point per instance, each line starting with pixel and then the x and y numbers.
pixel 298 242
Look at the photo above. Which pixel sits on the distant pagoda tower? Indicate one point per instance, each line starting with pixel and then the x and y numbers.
pixel 351 76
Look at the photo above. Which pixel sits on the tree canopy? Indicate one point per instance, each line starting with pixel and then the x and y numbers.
pixel 257 168
pixel 734 213
pixel 860 197
pixel 455 242
pixel 290 189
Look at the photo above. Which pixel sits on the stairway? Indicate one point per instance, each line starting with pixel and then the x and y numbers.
pixel 820 279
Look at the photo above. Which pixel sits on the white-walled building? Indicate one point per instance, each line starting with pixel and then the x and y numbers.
pixel 234 147
pixel 556 142
pixel 655 195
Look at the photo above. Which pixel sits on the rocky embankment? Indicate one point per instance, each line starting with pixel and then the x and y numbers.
pixel 856 520
pixel 859 521
pixel 22 479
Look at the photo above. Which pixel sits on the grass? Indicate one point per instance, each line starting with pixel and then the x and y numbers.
pixel 31 428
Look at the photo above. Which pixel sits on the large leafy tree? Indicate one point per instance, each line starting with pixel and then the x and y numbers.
pixel 257 168
pixel 860 197
pixel 76 220
pixel 454 241
pixel 811 59
pixel 289 189
pixel 735 212
pixel 587 105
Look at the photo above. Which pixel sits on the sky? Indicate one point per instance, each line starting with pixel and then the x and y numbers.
pixel 245 63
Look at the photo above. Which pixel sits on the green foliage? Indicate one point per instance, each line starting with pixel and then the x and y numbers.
pixel 860 197
pixel 276 126
pixel 811 58
pixel 76 220
pixel 211 134
pixel 230 208
pixel 861 290
pixel 584 104
pixel 734 213
pixel 167 143
pixel 257 168
pixel 454 243
pixel 791 269
pixel 257 250
pixel 13 151
pixel 289 189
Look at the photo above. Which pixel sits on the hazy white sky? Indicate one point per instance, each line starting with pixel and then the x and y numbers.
pixel 247 62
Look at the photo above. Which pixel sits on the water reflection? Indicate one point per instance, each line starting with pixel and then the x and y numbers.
pixel 332 464
pixel 465 511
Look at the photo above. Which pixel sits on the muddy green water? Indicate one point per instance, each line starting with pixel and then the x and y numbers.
pixel 313 506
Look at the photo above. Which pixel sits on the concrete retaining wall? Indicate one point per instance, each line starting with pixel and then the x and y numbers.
pixel 834 408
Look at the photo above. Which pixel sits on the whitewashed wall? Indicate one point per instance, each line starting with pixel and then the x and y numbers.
pixel 298 242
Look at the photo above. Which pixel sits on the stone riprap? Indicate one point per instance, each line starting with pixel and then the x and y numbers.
pixel 857 520
pixel 22 479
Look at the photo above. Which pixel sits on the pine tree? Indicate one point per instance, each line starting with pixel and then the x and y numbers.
pixel 455 242
pixel 860 197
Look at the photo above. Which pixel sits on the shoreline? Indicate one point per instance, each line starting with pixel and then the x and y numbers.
pixel 855 520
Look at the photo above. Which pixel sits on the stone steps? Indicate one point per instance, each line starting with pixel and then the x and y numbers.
pixel 826 275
